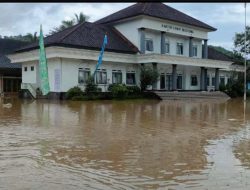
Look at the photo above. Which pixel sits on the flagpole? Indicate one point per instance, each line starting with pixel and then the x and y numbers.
pixel 245 70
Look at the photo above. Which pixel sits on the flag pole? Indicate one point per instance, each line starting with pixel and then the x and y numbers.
pixel 245 69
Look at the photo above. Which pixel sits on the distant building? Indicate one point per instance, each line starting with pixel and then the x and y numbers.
pixel 10 73
pixel 143 34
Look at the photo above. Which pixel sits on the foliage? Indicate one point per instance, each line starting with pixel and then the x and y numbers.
pixel 73 92
pixel 68 23
pixel 148 76
pixel 239 41
pixel 119 91
pixel 133 89
pixel 91 86
pixel 25 38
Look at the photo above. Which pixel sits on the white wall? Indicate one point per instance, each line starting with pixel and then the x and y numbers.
pixel 29 76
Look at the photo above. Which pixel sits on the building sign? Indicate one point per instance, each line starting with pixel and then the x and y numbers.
pixel 177 28
pixel 57 80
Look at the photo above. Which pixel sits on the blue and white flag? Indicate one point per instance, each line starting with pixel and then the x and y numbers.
pixel 105 41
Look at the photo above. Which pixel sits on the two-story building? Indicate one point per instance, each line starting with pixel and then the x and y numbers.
pixel 143 34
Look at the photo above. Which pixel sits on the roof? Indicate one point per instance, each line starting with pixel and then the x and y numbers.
pixel 158 10
pixel 88 36
pixel 216 55
pixel 8 46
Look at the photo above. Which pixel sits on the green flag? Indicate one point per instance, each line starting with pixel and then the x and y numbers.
pixel 43 68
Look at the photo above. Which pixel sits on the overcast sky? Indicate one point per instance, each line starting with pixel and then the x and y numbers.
pixel 21 18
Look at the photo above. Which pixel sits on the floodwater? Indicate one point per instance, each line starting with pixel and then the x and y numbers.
pixel 136 144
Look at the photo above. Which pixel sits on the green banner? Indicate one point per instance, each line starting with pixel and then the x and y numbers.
pixel 43 67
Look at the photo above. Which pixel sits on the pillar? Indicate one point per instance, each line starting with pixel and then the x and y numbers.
pixel 142 40
pixel 205 49
pixel 174 77
pixel 163 46
pixel 191 47
pixel 205 81
pixel 202 79
pixel 154 86
pixel 217 81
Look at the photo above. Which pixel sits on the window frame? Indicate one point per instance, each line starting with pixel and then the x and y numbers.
pixel 101 72
pixel 32 68
pixel 116 72
pixel 195 81
pixel 25 69
pixel 167 44
pixel 84 71
pixel 149 40
pixel 195 50
pixel 179 44
pixel 134 79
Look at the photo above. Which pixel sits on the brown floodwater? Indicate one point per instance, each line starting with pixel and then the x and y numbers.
pixel 135 144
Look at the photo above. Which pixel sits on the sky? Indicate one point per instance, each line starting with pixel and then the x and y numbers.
pixel 22 18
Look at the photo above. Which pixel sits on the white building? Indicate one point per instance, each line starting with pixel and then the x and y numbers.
pixel 143 34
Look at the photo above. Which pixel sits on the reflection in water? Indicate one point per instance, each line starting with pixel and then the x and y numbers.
pixel 124 145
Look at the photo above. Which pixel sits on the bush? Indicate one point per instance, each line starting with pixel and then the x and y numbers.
pixel 90 86
pixel 222 87
pixel 133 89
pixel 75 91
pixel 119 91
pixel 148 77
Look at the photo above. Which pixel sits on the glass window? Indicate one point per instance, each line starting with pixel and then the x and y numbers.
pixel 194 80
pixel 130 78
pixel 83 75
pixel 179 49
pixel 101 77
pixel 149 45
pixel 25 68
pixel 32 68
pixel 195 50
pixel 167 47
pixel 116 77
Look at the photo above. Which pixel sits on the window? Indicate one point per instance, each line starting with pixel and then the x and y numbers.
pixel 195 50
pixel 101 76
pixel 194 80
pixel 25 68
pixel 149 45
pixel 83 75
pixel 179 49
pixel 130 78
pixel 222 80
pixel 167 47
pixel 116 77
pixel 32 68
pixel 213 81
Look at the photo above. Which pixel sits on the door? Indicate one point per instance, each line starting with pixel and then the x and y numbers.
pixel 162 82
pixel 179 82
pixel 168 82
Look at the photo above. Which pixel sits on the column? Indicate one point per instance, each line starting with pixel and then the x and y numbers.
pixel 205 49
pixel 174 77
pixel 154 86
pixel 205 77
pixel 217 80
pixel 202 79
pixel 191 47
pixel 142 40
pixel 163 46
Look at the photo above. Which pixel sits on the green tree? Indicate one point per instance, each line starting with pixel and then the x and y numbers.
pixel 68 23
pixel 239 41
pixel 148 76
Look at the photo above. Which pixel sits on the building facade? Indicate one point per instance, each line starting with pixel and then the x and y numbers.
pixel 144 34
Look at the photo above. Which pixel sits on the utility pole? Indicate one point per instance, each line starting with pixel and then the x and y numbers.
pixel 245 73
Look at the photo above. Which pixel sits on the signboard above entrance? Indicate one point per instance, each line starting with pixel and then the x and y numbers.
pixel 176 28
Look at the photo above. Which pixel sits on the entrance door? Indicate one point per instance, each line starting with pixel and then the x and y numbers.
pixel 162 82
pixel 179 82
pixel 168 82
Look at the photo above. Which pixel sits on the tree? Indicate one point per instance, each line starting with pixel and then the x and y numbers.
pixel 239 41
pixel 68 23
pixel 148 76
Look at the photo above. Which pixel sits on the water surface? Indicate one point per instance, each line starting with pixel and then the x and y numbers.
pixel 136 144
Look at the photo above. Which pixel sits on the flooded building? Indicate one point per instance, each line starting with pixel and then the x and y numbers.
pixel 143 34
pixel 10 73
